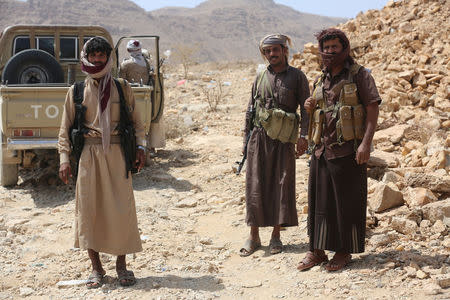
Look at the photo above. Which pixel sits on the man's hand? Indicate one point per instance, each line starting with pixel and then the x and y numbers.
pixel 362 154
pixel 140 159
pixel 302 145
pixel 310 104
pixel 65 172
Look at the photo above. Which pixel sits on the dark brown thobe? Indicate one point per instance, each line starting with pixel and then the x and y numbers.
pixel 270 175
pixel 337 187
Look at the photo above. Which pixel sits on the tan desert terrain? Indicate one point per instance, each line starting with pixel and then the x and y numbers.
pixel 191 205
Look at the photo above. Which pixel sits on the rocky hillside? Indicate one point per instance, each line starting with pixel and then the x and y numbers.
pixel 219 29
pixel 406 47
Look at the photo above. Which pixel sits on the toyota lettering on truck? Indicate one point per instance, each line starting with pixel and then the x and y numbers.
pixel 38 64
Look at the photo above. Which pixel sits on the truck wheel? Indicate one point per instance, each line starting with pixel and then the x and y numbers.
pixel 32 66
pixel 9 173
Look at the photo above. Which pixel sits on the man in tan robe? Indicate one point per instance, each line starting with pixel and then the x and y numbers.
pixel 137 69
pixel 270 174
pixel 105 213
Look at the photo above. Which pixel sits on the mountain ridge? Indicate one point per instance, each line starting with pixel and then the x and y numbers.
pixel 212 25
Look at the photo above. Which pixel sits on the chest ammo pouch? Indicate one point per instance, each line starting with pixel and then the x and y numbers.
pixel 349 111
pixel 125 127
pixel 278 124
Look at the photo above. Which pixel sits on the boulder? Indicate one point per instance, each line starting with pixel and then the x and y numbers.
pixel 405 27
pixel 393 134
pixel 407 75
pixel 439 227
pixel 419 80
pixel 439 210
pixel 383 159
pixel 443 281
pixel 395 178
pixel 380 240
pixel 404 226
pixel 440 184
pixel 188 202
pixel 411 145
pixel 385 196
pixel 438 161
pixel 418 196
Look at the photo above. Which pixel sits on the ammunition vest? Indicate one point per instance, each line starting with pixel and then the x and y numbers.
pixel 349 111
pixel 278 124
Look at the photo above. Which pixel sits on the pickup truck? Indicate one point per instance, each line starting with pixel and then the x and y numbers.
pixel 38 64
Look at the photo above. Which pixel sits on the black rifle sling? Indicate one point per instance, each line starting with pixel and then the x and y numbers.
pixel 77 129
pixel 127 131
pixel 78 96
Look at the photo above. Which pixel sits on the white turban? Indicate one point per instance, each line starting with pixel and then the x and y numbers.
pixel 134 45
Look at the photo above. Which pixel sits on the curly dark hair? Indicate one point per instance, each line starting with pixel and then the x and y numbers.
pixel 331 34
pixel 98 44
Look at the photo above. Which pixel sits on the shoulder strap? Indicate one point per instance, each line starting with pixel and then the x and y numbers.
pixel 265 81
pixel 121 84
pixel 78 97
pixel 78 92
pixel 354 69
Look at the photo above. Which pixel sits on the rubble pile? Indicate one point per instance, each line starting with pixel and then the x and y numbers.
pixel 406 47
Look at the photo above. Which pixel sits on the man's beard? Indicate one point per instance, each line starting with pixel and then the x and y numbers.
pixel 331 60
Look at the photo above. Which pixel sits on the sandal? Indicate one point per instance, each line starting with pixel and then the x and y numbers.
pixel 94 280
pixel 311 259
pixel 339 261
pixel 275 245
pixel 126 278
pixel 250 246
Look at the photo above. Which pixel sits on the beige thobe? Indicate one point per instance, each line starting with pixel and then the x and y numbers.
pixel 105 213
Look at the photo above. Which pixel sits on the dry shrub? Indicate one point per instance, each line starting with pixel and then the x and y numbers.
pixel 214 94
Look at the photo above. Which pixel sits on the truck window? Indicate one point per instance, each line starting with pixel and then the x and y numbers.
pixel 68 46
pixel 21 43
pixel 86 38
pixel 46 43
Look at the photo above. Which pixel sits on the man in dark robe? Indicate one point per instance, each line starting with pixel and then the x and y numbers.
pixel 270 175
pixel 337 188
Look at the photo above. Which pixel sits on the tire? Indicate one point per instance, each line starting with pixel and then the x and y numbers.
pixel 9 173
pixel 32 66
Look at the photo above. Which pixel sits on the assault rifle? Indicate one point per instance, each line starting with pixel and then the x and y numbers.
pixel 127 132
pixel 247 139
pixel 77 131
pixel 310 131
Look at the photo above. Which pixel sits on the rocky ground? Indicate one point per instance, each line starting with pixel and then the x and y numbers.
pixel 191 210
pixel 191 205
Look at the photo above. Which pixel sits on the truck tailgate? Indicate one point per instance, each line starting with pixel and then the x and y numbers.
pixel 40 108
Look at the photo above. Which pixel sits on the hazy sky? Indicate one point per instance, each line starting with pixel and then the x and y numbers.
pixel 332 8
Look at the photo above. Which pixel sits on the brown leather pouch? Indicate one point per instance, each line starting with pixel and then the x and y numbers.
pixel 346 123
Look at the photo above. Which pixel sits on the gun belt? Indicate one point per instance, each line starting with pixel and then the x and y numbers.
pixel 115 139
